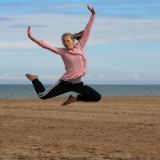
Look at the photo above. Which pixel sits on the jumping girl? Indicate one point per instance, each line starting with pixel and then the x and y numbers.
pixel 74 60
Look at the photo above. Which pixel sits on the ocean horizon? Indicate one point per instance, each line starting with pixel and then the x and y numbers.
pixel 27 90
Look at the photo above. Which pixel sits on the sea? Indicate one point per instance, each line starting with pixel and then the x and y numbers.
pixel 27 91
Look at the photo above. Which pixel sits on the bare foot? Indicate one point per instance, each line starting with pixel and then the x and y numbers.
pixel 31 77
pixel 70 99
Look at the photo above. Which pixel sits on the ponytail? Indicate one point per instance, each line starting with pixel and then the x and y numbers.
pixel 78 36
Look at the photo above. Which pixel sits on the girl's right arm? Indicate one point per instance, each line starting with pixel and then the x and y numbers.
pixel 43 43
pixel 31 37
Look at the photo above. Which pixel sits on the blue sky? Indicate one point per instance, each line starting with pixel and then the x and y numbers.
pixel 123 48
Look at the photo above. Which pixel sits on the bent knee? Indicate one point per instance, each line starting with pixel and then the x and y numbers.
pixel 97 98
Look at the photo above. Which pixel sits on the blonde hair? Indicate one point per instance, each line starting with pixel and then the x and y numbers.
pixel 76 36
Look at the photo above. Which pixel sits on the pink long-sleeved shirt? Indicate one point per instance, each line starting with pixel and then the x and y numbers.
pixel 74 60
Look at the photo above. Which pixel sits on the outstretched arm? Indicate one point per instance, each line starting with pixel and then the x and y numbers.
pixel 87 29
pixel 31 37
pixel 43 43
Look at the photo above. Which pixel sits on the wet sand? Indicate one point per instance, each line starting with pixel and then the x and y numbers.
pixel 116 128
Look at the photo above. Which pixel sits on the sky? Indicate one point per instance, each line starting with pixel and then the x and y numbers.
pixel 123 47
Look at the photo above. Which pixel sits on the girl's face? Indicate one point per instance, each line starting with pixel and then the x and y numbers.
pixel 68 42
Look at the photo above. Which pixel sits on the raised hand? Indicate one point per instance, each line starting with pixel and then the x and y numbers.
pixel 92 10
pixel 29 30
pixel 31 37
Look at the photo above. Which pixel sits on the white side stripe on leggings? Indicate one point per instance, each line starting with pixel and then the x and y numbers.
pixel 42 94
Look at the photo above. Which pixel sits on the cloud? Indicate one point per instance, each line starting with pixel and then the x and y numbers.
pixel 9 76
pixel 118 77
pixel 5 18
pixel 49 77
pixel 129 77
pixel 89 78
pixel 113 77
pixel 116 8
pixel 111 25
pixel 40 6
pixel 127 30
pixel 25 26
pixel 50 27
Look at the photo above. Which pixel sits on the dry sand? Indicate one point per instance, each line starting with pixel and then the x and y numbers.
pixel 116 128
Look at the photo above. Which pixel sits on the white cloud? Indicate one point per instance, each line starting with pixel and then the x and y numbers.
pixel 50 26
pixel 49 77
pixel 101 76
pixel 9 76
pixel 130 77
pixel 157 75
pixel 113 77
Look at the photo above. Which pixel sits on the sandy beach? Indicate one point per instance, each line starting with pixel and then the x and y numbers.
pixel 116 128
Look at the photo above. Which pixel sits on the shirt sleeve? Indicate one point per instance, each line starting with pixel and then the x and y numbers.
pixel 86 32
pixel 46 45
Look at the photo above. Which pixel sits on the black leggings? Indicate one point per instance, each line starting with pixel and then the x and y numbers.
pixel 87 94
